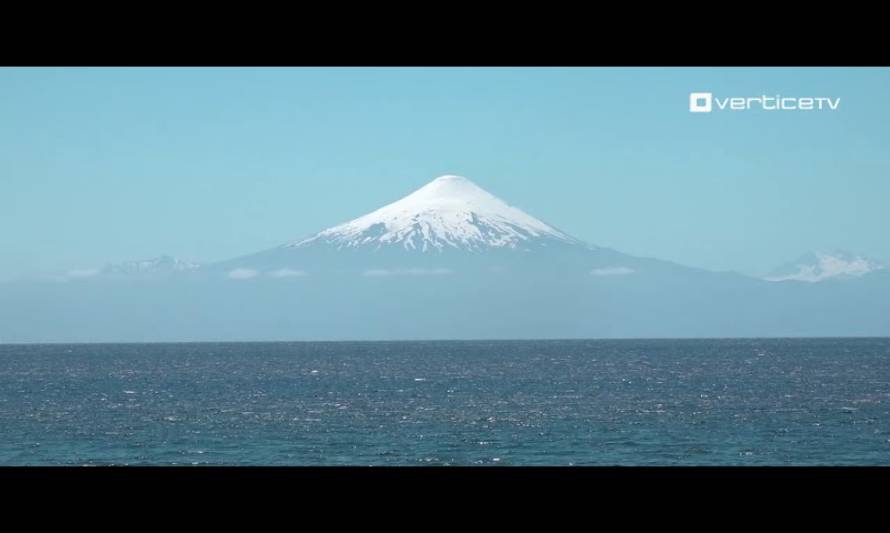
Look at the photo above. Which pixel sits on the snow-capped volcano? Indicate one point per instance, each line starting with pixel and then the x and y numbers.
pixel 819 266
pixel 448 212
pixel 450 225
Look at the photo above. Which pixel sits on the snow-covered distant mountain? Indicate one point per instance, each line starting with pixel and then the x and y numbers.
pixel 448 212
pixel 157 267
pixel 820 266
pixel 164 264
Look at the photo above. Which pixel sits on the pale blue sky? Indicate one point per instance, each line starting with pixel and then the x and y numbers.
pixel 102 165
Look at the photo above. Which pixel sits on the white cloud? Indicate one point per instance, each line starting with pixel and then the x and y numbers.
pixel 287 273
pixel 612 271
pixel 243 273
pixel 406 272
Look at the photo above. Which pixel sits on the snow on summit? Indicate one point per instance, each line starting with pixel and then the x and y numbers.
pixel 450 211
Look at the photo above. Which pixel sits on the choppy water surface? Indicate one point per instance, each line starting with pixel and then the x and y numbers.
pixel 652 402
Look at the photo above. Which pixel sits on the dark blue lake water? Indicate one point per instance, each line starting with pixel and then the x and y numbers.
pixel 599 402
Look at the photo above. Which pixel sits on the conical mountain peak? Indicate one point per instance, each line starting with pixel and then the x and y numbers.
pixel 451 184
pixel 451 178
pixel 451 192
pixel 448 212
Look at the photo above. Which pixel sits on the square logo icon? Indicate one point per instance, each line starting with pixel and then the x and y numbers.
pixel 700 102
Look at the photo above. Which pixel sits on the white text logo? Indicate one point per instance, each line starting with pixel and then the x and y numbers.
pixel 707 102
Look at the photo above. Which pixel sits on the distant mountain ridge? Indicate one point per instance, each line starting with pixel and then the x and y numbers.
pixel 819 266
pixel 448 261
pixel 163 264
